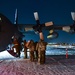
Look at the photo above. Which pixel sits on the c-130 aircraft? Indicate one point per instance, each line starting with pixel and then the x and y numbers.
pixel 7 29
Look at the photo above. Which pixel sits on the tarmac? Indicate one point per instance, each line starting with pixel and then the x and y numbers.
pixel 54 65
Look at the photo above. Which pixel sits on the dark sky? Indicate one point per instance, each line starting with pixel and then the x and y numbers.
pixel 58 11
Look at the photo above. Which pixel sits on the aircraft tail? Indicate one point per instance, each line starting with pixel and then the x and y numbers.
pixel 16 17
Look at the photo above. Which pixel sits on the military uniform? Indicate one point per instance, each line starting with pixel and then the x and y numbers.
pixel 36 51
pixel 41 47
pixel 17 46
pixel 32 48
pixel 25 49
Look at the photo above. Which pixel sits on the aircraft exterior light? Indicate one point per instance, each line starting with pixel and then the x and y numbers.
pixel 52 35
pixel 73 15
pixel 51 31
pixel 49 36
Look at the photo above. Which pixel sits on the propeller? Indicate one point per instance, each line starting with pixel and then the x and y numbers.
pixel 73 15
pixel 38 28
pixel 17 34
pixel 70 29
pixel 16 17
pixel 66 28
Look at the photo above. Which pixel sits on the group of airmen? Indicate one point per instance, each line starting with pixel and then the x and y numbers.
pixel 36 49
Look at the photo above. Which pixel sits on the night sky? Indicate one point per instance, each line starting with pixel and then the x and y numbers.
pixel 58 11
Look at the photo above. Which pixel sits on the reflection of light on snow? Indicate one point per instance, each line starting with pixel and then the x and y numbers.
pixel 5 55
pixel 15 50
pixel 55 51
pixel 49 51
pixel 22 53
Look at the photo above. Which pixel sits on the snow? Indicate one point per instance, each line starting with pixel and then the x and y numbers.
pixel 5 55
pixel 53 66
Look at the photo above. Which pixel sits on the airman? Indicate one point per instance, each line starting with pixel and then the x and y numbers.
pixel 41 47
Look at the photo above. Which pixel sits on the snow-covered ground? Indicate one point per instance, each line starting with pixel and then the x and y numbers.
pixel 7 55
pixel 53 66
pixel 49 51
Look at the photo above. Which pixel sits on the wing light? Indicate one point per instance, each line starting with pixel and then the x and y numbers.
pixel 52 35
pixel 51 31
